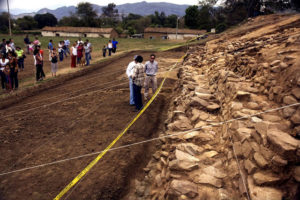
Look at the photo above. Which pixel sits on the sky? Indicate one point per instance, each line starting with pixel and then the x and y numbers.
pixel 35 5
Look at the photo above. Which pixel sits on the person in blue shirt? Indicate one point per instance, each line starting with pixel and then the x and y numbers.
pixel 50 48
pixel 114 43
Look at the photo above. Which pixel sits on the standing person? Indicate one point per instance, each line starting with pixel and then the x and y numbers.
pixel 79 41
pixel 67 44
pixel 38 63
pixel 13 64
pixel 20 56
pixel 42 53
pixel 64 48
pixel 129 71
pixel 73 54
pixel 3 63
pixel 54 64
pixel 50 48
pixel 27 43
pixel 151 68
pixel 87 53
pixel 90 48
pixel 36 42
pixel 61 51
pixel 79 52
pixel 114 43
pixel 138 81
pixel 109 46
pixel 104 51
pixel 7 78
pixel 12 44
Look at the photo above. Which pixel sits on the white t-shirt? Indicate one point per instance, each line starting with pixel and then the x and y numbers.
pixel 74 51
pixel 130 68
pixel 3 64
pixel 109 45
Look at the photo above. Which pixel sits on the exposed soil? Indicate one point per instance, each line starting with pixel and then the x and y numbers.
pixel 80 116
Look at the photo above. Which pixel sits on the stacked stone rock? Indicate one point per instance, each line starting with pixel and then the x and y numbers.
pixel 257 155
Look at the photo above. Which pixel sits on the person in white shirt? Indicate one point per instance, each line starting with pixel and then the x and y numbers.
pixel 3 62
pixel 129 71
pixel 151 68
pixel 73 55
pixel 110 47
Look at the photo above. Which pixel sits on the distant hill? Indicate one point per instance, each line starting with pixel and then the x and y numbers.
pixel 142 8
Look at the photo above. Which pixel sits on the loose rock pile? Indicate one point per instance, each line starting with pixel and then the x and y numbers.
pixel 257 155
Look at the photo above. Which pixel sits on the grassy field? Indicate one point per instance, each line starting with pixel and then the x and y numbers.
pixel 125 44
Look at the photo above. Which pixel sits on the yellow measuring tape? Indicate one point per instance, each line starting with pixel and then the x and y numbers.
pixel 95 161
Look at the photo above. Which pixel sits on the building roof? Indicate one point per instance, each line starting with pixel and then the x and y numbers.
pixel 77 29
pixel 173 30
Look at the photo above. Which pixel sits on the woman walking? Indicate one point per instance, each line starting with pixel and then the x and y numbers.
pixel 73 55
pixel 110 47
pixel 54 64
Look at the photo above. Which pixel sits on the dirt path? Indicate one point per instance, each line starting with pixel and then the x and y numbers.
pixel 82 124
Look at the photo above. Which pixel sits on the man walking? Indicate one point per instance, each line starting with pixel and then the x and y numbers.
pixel 129 71
pixel 151 68
pixel 114 43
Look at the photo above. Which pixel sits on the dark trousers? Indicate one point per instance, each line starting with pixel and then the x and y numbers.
pixel 2 79
pixel 137 96
pixel 14 79
pixel 114 50
pixel 109 52
pixel 21 63
pixel 39 69
pixel 61 55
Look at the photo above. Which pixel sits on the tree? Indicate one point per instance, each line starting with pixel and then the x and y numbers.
pixel 86 14
pixel 110 11
pixel 45 20
pixel 207 2
pixel 171 21
pixel 192 17
pixel 72 20
pixel 4 22
pixel 205 20
pixel 26 23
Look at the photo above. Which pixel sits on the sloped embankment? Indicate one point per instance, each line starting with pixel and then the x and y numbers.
pixel 240 95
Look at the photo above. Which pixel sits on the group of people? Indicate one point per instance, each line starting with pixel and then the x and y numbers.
pixel 12 57
pixel 11 61
pixel 81 53
pixel 141 75
pixel 111 47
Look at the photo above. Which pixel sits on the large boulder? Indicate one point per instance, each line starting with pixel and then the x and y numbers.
pixel 283 143
pixel 265 193
pixel 183 187
pixel 265 178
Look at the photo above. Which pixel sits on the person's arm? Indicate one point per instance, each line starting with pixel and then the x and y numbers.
pixel 156 67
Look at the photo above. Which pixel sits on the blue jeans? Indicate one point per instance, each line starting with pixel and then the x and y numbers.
pixel 131 101
pixel 87 58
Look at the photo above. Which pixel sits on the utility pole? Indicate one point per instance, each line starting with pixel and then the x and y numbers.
pixel 9 26
pixel 177 27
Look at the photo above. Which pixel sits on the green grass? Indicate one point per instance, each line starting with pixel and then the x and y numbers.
pixel 125 44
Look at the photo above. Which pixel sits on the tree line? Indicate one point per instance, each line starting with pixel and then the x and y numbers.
pixel 202 16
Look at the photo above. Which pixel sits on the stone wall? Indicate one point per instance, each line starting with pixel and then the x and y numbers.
pixel 232 132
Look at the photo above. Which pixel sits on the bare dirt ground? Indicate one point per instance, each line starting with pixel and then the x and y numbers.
pixel 80 116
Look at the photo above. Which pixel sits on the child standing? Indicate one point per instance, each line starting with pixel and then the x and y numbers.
pixel 104 51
